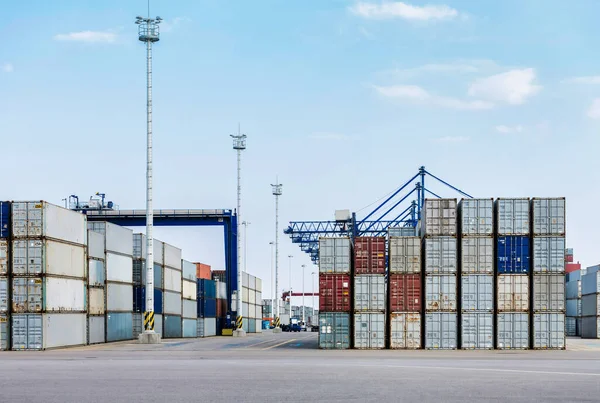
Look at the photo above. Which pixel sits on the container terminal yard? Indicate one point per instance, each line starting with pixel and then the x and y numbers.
pixel 461 284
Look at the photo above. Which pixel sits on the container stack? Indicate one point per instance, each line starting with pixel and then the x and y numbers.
pixel 207 307
pixel 590 305
pixel 548 276
pixel 48 276
pixel 404 291
pixel 159 275
pixel 96 295
pixel 573 304
pixel 438 230
pixel 4 276
pixel 189 309
pixel 251 303
pixel 476 228
pixel 369 293
pixel 222 307
pixel 513 268
pixel 172 292
pixel 335 293
pixel 139 284
pixel 118 248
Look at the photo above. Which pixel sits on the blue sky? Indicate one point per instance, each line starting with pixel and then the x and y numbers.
pixel 344 100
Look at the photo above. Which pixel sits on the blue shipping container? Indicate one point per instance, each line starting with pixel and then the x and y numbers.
pixel 206 289
pixel 139 299
pixel 513 254
pixel 207 308
pixel 119 326
pixel 574 275
pixel 171 326
pixel 4 219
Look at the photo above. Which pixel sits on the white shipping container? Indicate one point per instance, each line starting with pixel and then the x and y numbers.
pixel 96 333
pixel 548 293
pixel 549 331
pixel 188 289
pixel 369 293
pixel 245 279
pixel 476 217
pixel 513 331
pixel 119 268
pixel 245 295
pixel 119 297
pixel 513 216
pixel 42 219
pixel 189 308
pixel 440 292
pixel 405 255
pixel 441 331
pixel 44 331
pixel 96 273
pixel 37 256
pixel 439 216
pixel 334 255
pixel 118 239
pixel 172 280
pixel 172 256
pixel 4 291
pixel 188 270
pixel 477 293
pixel 3 257
pixel 246 310
pixel 258 284
pixel 210 327
pixel 441 255
pixel 513 293
pixel 96 304
pixel 258 312
pixel 251 282
pixel 48 294
pixel 405 331
pixel 477 331
pixel 4 332
pixel 157 248
pixel 477 255
pixel 549 216
pixel 172 303
pixel 369 331
pixel 549 254
pixel 96 245
pixel 251 297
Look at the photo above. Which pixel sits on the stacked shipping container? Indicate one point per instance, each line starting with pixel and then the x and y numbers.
pixel 96 288
pixel 548 276
pixel 573 304
pixel 5 226
pixel 440 269
pixel 172 303
pixel 189 305
pixel 48 284
pixel 251 303
pixel 590 305
pixel 335 293
pixel 476 228
pixel 206 301
pixel 513 268
pixel 369 293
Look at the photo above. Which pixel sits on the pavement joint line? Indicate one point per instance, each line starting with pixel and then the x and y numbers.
pixel 262 342
pixel 280 344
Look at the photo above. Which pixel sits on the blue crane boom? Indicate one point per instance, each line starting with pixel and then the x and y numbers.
pixel 307 233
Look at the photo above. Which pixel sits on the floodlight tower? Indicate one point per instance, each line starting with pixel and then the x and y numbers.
pixel 148 32
pixel 277 191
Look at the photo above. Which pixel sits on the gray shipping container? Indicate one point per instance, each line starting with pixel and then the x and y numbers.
pixel 189 308
pixel 119 326
pixel 200 327
pixel 441 331
pixel 3 257
pixel 369 293
pixel 549 331
pixel 512 216
pixel 158 324
pixel 139 272
pixel 138 325
pixel 548 293
pixel 477 255
pixel 590 283
pixel 96 273
pixel 476 216
pixel 477 293
pixel 4 332
pixel 210 327
pixel 405 331
pixel 334 330
pixel 4 286
pixel 570 326
pixel 96 329
pixel 334 255
pixel 573 289
pixel 548 254
pixel 369 331
pixel 96 245
pixel 512 331
pixel 477 331
pixel 549 216
pixel 189 328
pixel 172 257
pixel 171 326
pixel 573 307
pixel 439 216
pixel 590 327
pixel 405 255
pixel 402 231
pixel 118 239
pixel 171 303
pixel 119 297
pixel 590 305
pixel 440 292
pixel 45 331
pixel 513 293
pixel 440 255
pixel 139 246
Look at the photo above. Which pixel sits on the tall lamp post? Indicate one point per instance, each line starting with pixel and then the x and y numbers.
pixel 273 298
pixel 303 309
pixel 291 257
pixel 277 191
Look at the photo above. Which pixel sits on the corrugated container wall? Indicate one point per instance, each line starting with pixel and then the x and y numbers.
pixel 405 331
pixel 334 255
pixel 96 332
pixel 590 305
pixel 37 256
pixel 476 217
pixel 203 271
pixel 172 326
pixel 369 255
pixel 549 331
pixel 477 255
pixel 96 245
pixel 477 331
pixel 548 254
pixel 118 239
pixel 477 293
pixel 512 331
pixel 48 294
pixel 512 216
pixel 440 255
pixel 513 293
pixel 405 292
pixel 139 246
pixel 31 219
pixel 548 293
pixel 44 331
pixel 402 231
pixel 119 326
pixel 549 216
pixel 441 332
pixel 188 271
pixel 4 219
pixel 404 255
pixel 369 331
pixel 369 293
pixel 172 256
pixel 590 327
pixel 439 216
pixel 513 254
pixel 4 260
pixel 334 293
pixel 590 283
pixel 440 293
pixel 334 330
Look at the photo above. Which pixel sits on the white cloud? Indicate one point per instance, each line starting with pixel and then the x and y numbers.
pixel 509 129
pixel 452 139
pixel 328 136
pixel 389 10
pixel 585 80
pixel 473 66
pixel 88 37
pixel 513 87
pixel 168 26
pixel 594 110
pixel 419 95
pixel 8 68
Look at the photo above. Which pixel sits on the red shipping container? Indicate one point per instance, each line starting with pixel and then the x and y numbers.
pixel 334 293
pixel 571 267
pixel 369 255
pixel 405 293
pixel 569 258
pixel 221 308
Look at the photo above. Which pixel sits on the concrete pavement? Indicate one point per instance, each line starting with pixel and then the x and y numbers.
pixel 288 367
